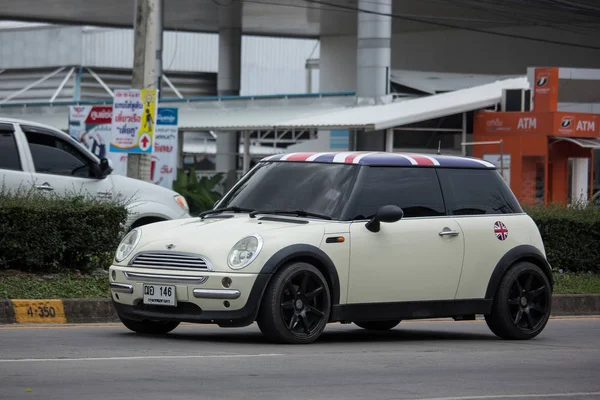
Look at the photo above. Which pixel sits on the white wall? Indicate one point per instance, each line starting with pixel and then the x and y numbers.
pixel 276 65
pixel 269 65
pixel 459 51
pixel 182 51
pixel 40 47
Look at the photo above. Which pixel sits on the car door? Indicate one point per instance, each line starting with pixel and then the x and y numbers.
pixel 416 258
pixel 14 174
pixel 491 219
pixel 62 167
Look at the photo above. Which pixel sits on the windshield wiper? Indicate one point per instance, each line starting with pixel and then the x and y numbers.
pixel 300 213
pixel 221 210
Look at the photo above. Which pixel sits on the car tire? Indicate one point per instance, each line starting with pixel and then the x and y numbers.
pixel 378 325
pixel 149 327
pixel 296 305
pixel 522 303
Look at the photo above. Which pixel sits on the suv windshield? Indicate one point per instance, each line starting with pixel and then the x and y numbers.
pixel 312 187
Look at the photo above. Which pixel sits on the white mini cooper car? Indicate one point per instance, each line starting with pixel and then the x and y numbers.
pixel 369 238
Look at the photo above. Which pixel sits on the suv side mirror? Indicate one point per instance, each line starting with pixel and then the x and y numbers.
pixel 389 213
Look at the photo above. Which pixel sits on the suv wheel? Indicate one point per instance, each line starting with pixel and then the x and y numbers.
pixel 522 303
pixel 150 327
pixel 378 325
pixel 296 305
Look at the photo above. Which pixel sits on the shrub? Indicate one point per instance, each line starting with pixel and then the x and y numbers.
pixel 43 232
pixel 199 193
pixel 571 235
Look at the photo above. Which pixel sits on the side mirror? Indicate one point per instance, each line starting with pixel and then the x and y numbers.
pixel 105 168
pixel 388 214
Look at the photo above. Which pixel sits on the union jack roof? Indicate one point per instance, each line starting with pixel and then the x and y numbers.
pixel 384 158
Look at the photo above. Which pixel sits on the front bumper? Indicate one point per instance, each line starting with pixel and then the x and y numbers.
pixel 201 298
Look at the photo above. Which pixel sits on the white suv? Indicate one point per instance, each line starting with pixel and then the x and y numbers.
pixel 369 238
pixel 35 155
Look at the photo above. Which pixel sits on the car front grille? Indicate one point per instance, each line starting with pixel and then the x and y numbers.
pixel 171 260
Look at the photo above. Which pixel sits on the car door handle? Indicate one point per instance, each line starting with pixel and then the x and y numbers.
pixel 105 194
pixel 448 233
pixel 45 186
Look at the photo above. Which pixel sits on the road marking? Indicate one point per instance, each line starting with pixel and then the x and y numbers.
pixel 514 396
pixel 39 311
pixel 113 325
pixel 19 328
pixel 140 358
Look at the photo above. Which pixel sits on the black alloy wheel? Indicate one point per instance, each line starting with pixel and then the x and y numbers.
pixel 296 305
pixel 522 304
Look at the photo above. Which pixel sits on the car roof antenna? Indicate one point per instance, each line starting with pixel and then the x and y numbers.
pixel 439 152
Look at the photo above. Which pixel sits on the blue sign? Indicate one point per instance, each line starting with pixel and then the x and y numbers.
pixel 167 116
pixel 339 139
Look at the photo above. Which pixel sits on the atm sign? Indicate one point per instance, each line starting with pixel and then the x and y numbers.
pixel 568 124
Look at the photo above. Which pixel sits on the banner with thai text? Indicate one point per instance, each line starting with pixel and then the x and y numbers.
pixel 92 126
pixel 133 121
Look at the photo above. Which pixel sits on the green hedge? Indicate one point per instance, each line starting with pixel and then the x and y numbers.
pixel 42 232
pixel 571 236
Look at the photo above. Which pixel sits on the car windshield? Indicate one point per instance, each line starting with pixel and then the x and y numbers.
pixel 312 187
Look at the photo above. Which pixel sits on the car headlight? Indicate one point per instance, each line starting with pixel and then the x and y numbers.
pixel 244 252
pixel 129 242
pixel 182 202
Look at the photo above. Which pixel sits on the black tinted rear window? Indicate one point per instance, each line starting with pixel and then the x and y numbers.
pixel 476 191
pixel 9 153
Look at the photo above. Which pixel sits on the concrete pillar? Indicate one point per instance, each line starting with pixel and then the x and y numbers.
pixel 228 84
pixel 373 61
pixel 147 67
pixel 373 57
pixel 246 160
pixel 389 140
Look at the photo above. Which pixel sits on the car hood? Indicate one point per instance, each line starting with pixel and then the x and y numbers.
pixel 138 189
pixel 214 238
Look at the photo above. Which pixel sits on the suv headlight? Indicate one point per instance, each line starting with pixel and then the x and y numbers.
pixel 129 242
pixel 182 202
pixel 244 252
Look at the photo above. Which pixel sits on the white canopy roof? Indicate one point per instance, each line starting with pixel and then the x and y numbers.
pixel 336 116
pixel 339 112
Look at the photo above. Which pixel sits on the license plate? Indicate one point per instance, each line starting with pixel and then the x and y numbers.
pixel 160 295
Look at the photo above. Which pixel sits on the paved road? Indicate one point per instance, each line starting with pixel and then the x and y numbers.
pixel 417 360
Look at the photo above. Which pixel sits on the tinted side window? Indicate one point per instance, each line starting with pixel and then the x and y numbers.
pixel 473 192
pixel 9 153
pixel 52 155
pixel 415 190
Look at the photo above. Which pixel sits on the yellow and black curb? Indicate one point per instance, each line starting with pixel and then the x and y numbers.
pixel 56 311
pixel 76 311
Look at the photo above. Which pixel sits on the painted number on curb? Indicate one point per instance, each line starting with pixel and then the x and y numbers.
pixel 39 311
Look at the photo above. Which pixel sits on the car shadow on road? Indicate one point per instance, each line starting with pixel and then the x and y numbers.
pixel 332 336
pixel 401 335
